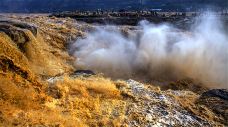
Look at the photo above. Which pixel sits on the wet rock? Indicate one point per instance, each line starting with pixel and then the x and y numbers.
pixel 217 101
pixel 219 93
pixel 75 74
pixel 158 108
pixel 83 72
pixel 185 84
pixel 17 35
pixel 17 32
pixel 21 25
pixel 6 64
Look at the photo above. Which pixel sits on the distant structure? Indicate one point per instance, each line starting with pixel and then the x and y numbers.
pixel 46 6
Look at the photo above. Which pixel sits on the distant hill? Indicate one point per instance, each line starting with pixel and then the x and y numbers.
pixel 71 5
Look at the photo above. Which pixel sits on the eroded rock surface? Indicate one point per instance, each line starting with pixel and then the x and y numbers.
pixel 216 100
pixel 160 108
